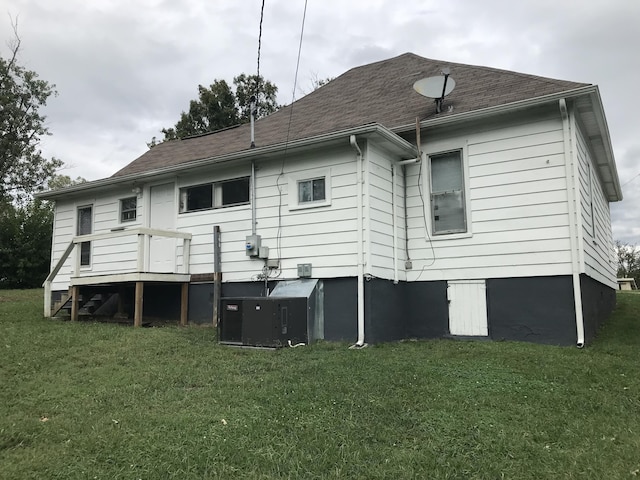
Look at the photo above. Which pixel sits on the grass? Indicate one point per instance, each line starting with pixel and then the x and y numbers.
pixel 99 401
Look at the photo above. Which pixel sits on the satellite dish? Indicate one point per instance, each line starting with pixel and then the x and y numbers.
pixel 436 87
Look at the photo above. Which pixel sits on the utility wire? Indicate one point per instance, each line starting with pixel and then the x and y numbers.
pixel 259 47
pixel 286 145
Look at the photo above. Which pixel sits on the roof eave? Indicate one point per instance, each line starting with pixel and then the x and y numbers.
pixel 613 189
pixel 402 147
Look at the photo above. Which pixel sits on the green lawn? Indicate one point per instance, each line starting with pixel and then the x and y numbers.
pixel 90 400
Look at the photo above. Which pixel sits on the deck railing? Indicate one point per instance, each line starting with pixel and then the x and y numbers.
pixel 143 248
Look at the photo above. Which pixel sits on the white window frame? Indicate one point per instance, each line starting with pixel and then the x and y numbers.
pixel 295 179
pixel 122 211
pixel 216 195
pixel 86 266
pixel 435 149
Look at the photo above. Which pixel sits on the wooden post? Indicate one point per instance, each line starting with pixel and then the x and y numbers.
pixel 75 292
pixel 137 313
pixel 217 276
pixel 184 304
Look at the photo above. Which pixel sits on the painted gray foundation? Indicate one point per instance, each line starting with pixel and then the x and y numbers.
pixel 532 309
pixel 598 301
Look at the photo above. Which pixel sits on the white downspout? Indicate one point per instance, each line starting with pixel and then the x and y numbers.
pixel 573 233
pixel 359 234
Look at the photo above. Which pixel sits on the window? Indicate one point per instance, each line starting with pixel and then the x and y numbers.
pixel 214 195
pixel 311 190
pixel 447 193
pixel 128 209
pixel 84 228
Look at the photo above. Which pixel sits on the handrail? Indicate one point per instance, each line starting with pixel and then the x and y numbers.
pixel 153 232
pixel 139 231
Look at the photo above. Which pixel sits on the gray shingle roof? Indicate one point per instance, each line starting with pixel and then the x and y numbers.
pixel 380 92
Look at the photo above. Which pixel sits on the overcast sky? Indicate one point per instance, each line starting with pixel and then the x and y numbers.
pixel 125 69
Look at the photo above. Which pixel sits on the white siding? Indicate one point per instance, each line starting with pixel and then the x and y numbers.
pixel 518 215
pixel 323 236
pixel 106 256
pixel 596 236
pixel 380 242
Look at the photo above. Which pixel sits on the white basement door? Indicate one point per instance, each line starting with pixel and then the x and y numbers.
pixel 467 307
pixel 162 250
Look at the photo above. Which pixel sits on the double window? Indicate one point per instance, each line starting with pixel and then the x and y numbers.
pixel 448 207
pixel 214 195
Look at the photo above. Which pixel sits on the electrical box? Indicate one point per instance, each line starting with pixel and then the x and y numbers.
pixel 264 252
pixel 252 245
pixel 304 270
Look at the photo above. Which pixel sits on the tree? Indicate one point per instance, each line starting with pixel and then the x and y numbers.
pixel 22 167
pixel 25 238
pixel 628 256
pixel 219 107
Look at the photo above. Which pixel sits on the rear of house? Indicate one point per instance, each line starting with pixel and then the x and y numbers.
pixel 496 225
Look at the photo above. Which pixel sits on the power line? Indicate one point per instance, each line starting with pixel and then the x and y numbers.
pixel 286 145
pixel 260 39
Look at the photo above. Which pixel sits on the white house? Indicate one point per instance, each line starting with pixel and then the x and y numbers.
pixel 497 226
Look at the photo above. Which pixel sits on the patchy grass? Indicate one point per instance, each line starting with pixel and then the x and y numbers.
pixel 90 400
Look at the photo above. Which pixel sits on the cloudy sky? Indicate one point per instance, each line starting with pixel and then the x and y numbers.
pixel 125 69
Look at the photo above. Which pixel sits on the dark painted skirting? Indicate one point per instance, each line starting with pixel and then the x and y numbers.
pixel 598 301
pixel 532 309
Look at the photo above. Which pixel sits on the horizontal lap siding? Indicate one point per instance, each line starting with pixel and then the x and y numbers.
pixel 599 262
pixel 518 207
pixel 323 236
pixel 380 215
pixel 107 256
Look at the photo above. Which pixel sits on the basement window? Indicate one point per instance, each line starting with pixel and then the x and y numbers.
pixel 214 195
pixel 448 211
pixel 128 209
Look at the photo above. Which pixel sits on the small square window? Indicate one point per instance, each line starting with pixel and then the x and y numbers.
pixel 128 209
pixel 311 190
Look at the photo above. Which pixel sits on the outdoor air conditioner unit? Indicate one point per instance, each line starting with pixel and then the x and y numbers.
pixel 291 315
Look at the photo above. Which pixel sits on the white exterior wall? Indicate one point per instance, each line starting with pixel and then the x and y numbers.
pixel 518 223
pixel 595 235
pixel 324 236
pixel 106 256
pixel 380 261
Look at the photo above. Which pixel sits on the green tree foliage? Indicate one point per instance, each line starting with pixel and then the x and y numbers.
pixel 628 256
pixel 25 244
pixel 25 238
pixel 23 169
pixel 219 107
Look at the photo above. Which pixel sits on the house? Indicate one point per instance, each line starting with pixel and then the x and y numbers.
pixel 627 284
pixel 497 226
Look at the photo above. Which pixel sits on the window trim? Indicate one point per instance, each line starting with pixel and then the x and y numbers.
pixel 215 186
pixel 294 179
pixel 122 210
pixel 439 148
pixel 84 266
